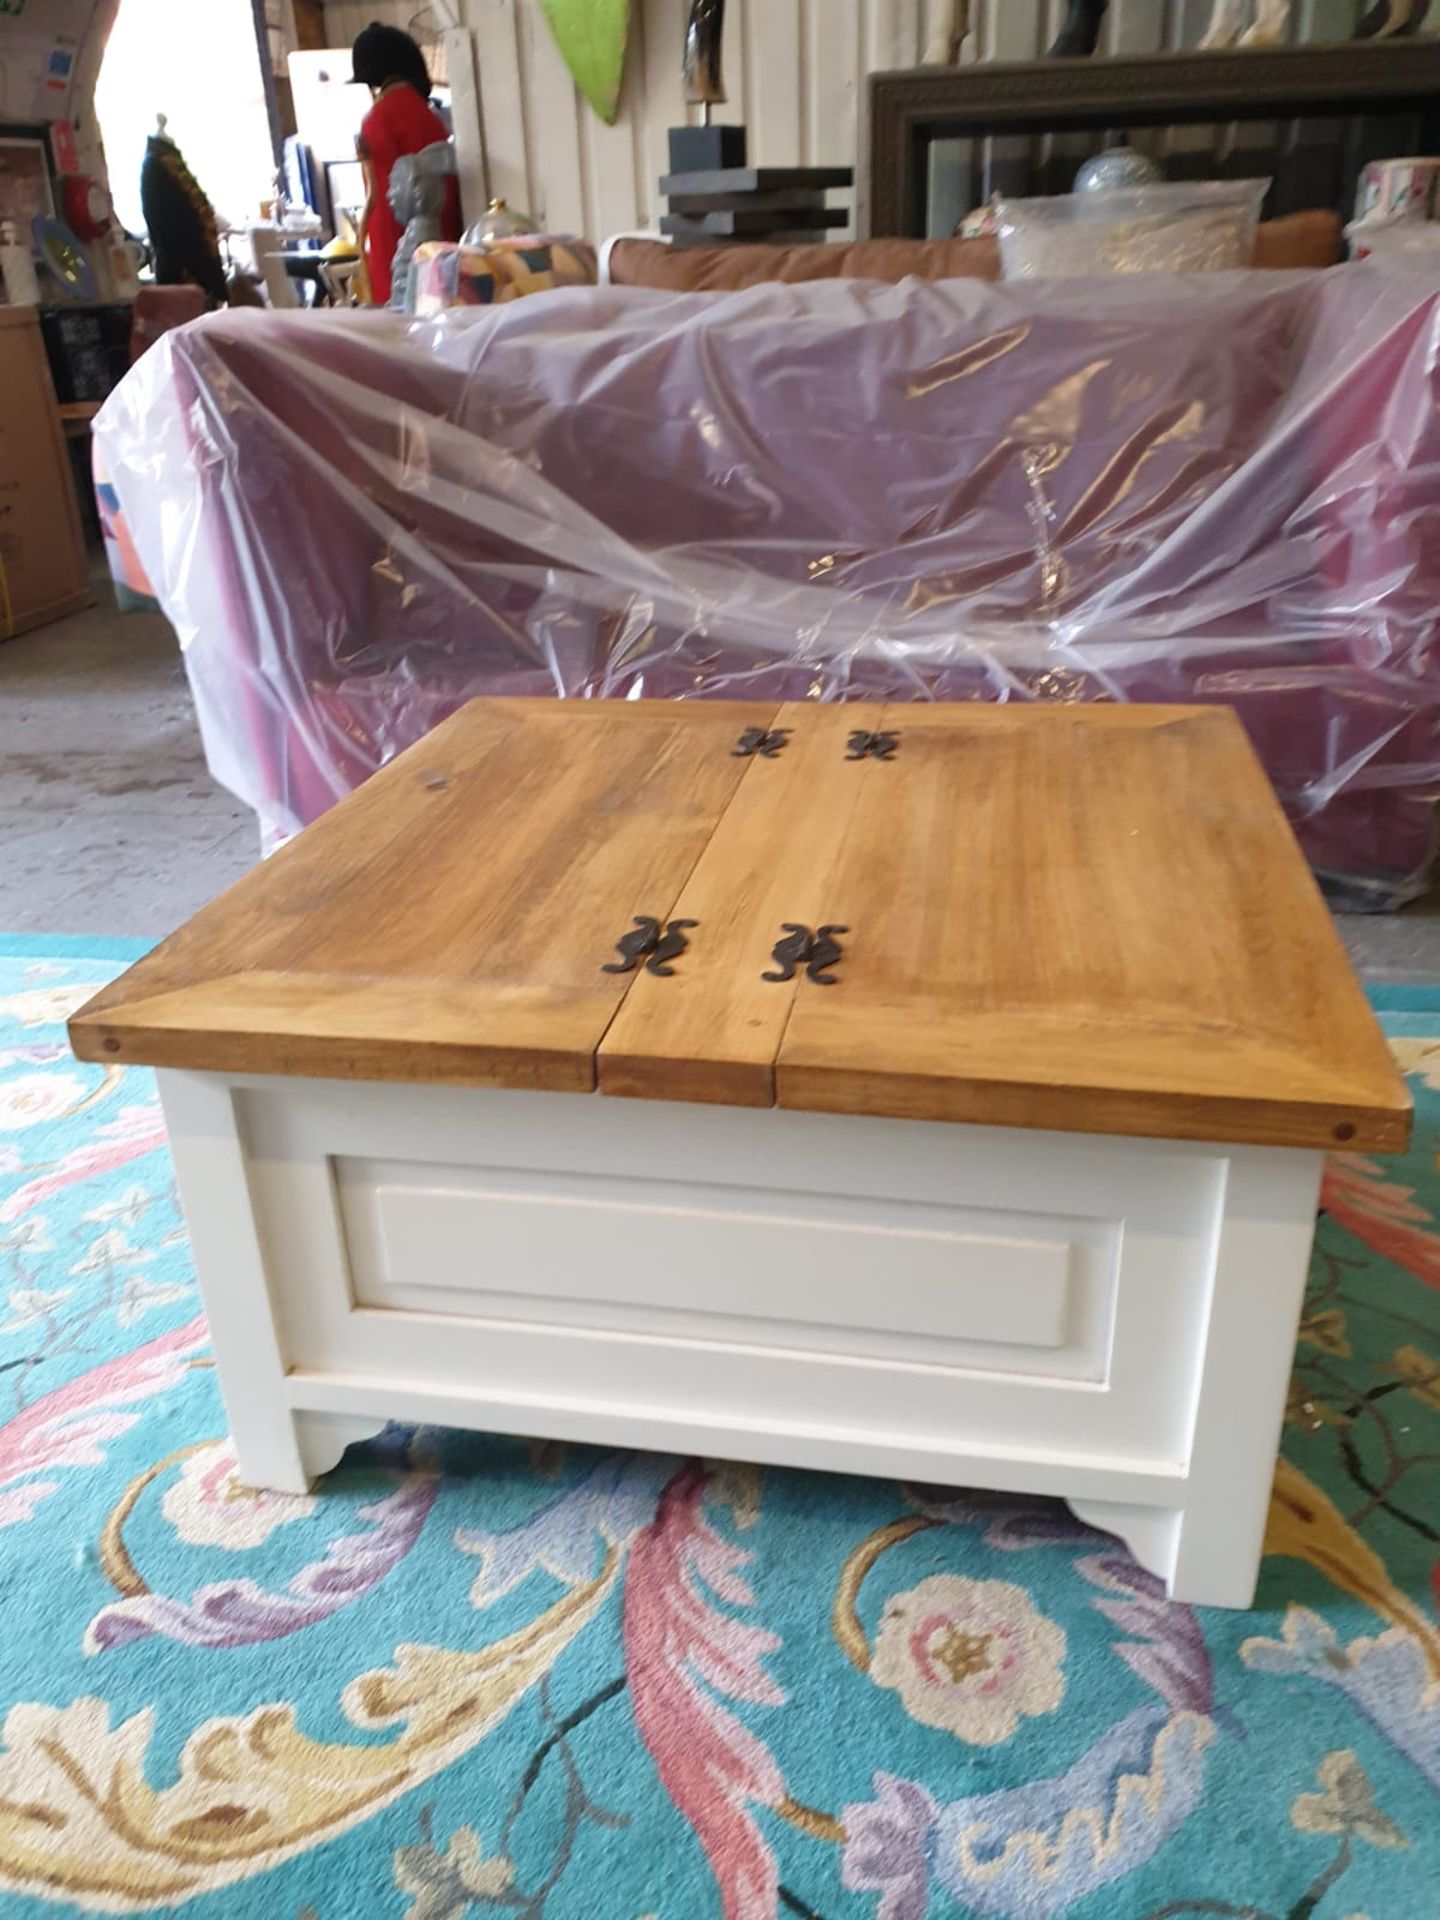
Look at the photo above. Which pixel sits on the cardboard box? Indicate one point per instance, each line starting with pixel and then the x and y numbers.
pixel 43 570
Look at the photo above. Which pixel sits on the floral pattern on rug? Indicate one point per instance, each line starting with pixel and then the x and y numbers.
pixel 473 1677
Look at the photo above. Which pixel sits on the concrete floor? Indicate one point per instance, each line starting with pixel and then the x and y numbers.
pixel 110 824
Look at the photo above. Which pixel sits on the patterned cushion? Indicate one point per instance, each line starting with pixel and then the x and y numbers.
pixel 450 275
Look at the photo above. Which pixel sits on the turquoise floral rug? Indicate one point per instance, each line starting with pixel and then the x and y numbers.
pixel 480 1677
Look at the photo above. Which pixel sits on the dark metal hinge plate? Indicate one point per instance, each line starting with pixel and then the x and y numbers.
pixel 872 746
pixel 654 943
pixel 816 952
pixel 769 745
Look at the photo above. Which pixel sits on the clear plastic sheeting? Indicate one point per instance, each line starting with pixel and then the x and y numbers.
pixel 1218 489
pixel 1197 226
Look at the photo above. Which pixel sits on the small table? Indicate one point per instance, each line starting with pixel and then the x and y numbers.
pixel 916 1090
pixel 307 265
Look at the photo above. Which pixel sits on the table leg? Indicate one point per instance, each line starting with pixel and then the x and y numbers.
pixel 275 1447
pixel 1207 1548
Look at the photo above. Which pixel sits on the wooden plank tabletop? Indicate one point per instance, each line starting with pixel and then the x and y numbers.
pixel 1093 919
pixel 713 1031
pixel 1088 918
pixel 448 921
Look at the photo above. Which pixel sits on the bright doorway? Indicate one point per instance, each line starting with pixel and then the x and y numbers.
pixel 200 66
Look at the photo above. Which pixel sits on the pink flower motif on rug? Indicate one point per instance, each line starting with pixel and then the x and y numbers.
pixel 681 1651
pixel 210 1506
pixel 136 1131
pixel 66 1428
pixel 971 1656
pixel 1382 1213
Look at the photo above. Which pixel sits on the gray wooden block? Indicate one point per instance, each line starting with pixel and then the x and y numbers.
pixel 754 226
pixel 757 179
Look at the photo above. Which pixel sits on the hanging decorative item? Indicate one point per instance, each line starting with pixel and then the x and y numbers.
pixel 1388 18
pixel 704 56
pixel 1234 23
pixel 712 147
pixel 592 36
pixel 1079 34
pixel 949 30
pixel 1227 23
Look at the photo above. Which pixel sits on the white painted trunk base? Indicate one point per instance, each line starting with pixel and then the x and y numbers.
pixel 1109 1321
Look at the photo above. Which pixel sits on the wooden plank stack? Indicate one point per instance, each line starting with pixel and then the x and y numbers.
pixel 716 199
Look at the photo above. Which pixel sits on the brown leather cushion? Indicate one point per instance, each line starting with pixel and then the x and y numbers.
pixel 1300 240
pixel 651 263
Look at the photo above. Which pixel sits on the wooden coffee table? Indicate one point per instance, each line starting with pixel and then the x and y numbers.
pixel 978 1067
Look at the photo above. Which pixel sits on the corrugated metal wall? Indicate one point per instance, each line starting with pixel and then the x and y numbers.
pixel 794 72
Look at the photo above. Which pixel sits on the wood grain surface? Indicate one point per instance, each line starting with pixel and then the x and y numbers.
pixel 713 1032
pixel 1089 919
pixel 1092 919
pixel 450 920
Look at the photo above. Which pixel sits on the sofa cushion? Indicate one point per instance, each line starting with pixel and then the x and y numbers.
pixel 652 263
pixel 1301 240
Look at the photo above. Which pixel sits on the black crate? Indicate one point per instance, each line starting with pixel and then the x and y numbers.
pixel 88 348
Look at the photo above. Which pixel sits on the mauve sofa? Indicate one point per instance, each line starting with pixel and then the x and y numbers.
pixel 1222 488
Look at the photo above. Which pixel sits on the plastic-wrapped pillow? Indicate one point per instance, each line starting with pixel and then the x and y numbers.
pixel 1203 226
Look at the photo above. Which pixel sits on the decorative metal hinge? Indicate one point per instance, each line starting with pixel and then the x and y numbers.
pixel 653 944
pixel 816 952
pixel 873 746
pixel 757 740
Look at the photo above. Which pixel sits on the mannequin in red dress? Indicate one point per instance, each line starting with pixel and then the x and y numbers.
pixel 401 121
